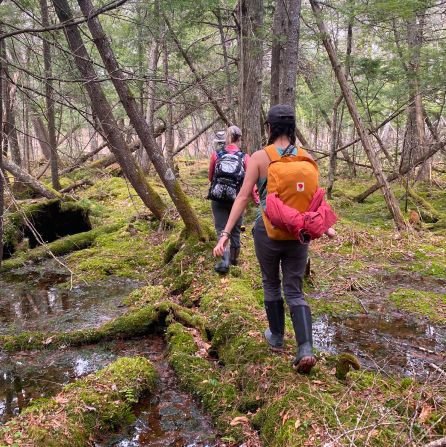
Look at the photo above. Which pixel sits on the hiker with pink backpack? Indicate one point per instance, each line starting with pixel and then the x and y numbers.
pixel 291 213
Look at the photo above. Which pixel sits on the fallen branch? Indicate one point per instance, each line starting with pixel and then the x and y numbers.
pixel 434 148
pixel 76 185
pixel 194 137
pixel 438 443
pixel 29 180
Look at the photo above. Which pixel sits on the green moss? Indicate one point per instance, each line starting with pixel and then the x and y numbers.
pixel 421 303
pixel 201 377
pixel 89 407
pixel 344 362
pixel 131 251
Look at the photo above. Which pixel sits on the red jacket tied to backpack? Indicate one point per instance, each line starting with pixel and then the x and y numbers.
pixel 312 224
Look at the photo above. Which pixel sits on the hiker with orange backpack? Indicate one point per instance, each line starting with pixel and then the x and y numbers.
pixel 227 170
pixel 288 176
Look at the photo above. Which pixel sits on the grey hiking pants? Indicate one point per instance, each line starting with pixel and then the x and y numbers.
pixel 221 213
pixel 290 256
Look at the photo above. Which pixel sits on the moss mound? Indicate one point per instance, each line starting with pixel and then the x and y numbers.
pixel 85 409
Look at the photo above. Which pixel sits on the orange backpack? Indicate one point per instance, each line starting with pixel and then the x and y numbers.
pixel 295 179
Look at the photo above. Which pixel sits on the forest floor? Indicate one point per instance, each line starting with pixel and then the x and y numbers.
pixel 374 293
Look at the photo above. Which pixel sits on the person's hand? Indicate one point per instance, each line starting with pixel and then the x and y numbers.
pixel 331 233
pixel 221 245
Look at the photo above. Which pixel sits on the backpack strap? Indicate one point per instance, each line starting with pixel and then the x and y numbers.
pixel 221 152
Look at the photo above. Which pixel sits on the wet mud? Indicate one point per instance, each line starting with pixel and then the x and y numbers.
pixel 383 337
pixel 41 299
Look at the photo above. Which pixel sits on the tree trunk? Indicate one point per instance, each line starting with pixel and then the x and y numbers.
pixel 391 202
pixel 333 146
pixel 169 137
pixel 2 186
pixel 102 109
pixel 250 71
pixel 9 125
pixel 278 35
pixel 227 69
pixel 52 140
pixel 290 48
pixel 42 136
pixel 166 174
pixel 28 180
pixel 415 138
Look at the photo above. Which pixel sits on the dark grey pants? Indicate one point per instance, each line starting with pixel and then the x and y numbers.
pixel 221 213
pixel 290 257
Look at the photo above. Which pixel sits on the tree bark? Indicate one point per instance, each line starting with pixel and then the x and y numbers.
pixel 141 127
pixel 278 36
pixel 28 180
pixel 52 140
pixel 102 109
pixel 169 137
pixel 42 136
pixel 290 53
pixel 391 202
pixel 333 146
pixel 250 71
pixel 415 138
pixel 430 152
pixel 2 186
pixel 229 94
pixel 9 125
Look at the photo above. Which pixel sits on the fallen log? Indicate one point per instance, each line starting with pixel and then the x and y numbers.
pixel 434 148
pixel 76 185
pixel 22 176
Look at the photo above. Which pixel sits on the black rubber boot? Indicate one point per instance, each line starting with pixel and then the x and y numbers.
pixel 303 330
pixel 276 319
pixel 223 265
pixel 234 255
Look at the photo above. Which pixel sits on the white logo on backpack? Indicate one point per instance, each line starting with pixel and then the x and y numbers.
pixel 300 186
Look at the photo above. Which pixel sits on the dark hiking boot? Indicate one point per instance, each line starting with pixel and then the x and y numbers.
pixel 276 319
pixel 303 330
pixel 223 265
pixel 234 255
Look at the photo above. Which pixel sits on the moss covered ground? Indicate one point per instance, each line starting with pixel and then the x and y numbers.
pixel 214 324
pixel 85 409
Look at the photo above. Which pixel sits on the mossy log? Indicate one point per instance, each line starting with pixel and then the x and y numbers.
pixel 427 211
pixel 88 408
pixel 59 247
pixel 47 220
pixel 137 322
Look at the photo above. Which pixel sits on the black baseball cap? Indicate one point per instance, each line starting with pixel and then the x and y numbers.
pixel 281 113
